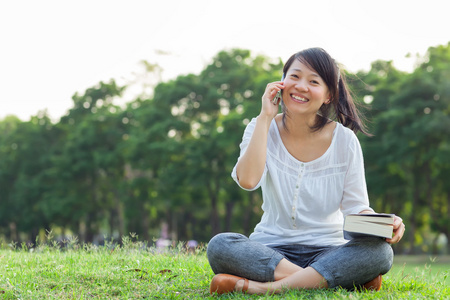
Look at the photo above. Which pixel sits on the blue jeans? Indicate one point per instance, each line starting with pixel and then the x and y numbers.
pixel 347 266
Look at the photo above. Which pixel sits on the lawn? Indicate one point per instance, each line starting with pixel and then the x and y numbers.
pixel 134 271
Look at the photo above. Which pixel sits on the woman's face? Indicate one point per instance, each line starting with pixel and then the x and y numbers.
pixel 304 90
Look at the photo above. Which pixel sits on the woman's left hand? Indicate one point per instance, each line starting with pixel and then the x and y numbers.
pixel 399 230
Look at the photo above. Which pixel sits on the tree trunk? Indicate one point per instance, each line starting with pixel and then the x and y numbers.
pixel 229 215
pixel 82 231
pixel 412 226
pixel 214 220
pixel 145 225
pixel 89 235
pixel 193 232
pixel 13 235
pixel 119 214
pixel 447 229
pixel 174 231
pixel 247 214
pixel 34 235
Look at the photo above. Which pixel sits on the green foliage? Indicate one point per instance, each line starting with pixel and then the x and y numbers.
pixel 409 154
pixel 166 159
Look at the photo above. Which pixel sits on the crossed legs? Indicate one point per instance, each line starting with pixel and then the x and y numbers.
pixel 267 270
pixel 287 275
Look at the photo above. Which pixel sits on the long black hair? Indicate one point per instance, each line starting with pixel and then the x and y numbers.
pixel 342 107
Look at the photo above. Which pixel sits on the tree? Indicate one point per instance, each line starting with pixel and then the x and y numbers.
pixel 25 162
pixel 406 158
pixel 88 166
pixel 211 106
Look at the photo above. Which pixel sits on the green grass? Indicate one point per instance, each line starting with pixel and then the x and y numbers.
pixel 137 272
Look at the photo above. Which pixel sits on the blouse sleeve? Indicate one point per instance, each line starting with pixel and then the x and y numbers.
pixel 243 146
pixel 355 198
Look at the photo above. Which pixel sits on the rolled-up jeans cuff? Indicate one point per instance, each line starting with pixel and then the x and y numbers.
pixel 326 274
pixel 271 265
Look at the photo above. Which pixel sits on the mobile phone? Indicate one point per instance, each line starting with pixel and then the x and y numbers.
pixel 278 95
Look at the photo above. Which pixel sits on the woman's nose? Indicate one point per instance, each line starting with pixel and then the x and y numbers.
pixel 301 85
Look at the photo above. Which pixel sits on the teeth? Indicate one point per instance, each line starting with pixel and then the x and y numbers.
pixel 299 98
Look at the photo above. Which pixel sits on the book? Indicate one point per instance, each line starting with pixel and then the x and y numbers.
pixel 358 225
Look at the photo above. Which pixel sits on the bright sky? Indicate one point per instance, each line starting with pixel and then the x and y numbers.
pixel 51 49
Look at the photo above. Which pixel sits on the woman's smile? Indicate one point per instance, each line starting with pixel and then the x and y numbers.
pixel 299 99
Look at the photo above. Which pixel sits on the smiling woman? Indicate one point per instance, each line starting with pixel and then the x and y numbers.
pixel 309 164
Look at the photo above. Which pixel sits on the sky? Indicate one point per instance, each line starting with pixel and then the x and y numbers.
pixel 50 50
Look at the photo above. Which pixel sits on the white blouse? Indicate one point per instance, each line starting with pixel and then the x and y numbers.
pixel 304 202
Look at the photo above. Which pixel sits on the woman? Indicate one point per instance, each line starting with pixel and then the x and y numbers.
pixel 311 172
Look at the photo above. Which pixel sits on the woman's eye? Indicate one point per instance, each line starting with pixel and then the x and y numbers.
pixel 314 82
pixel 294 76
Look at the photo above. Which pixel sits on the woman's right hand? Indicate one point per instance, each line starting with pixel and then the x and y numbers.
pixel 268 108
pixel 250 167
